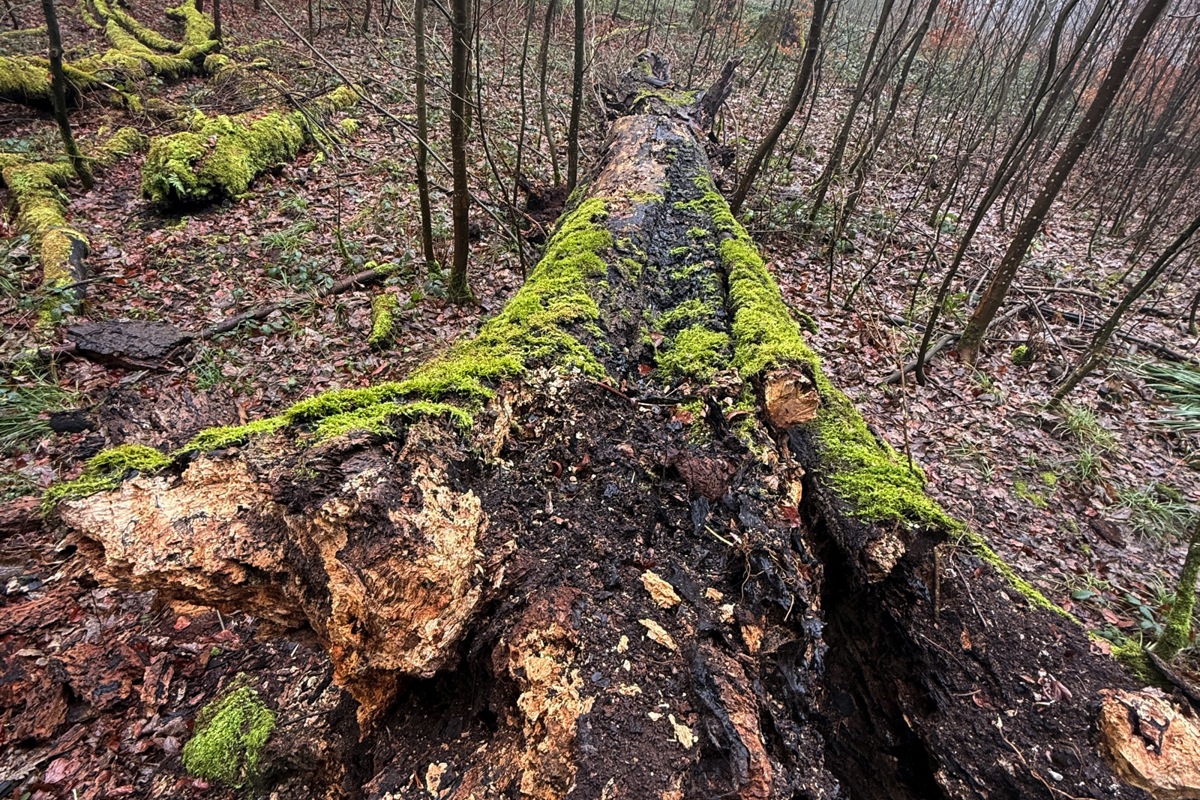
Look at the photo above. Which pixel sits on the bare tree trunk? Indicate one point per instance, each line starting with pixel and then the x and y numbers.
pixel 576 99
pixel 59 96
pixel 993 297
pixel 763 152
pixel 543 69
pixel 833 164
pixel 458 289
pixel 216 16
pixel 12 15
pixel 423 134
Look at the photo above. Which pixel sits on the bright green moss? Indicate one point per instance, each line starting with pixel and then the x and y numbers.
pixel 220 156
pixel 383 309
pixel 686 313
pixel 229 738
pixel 1132 654
pixel 145 35
pixel 197 30
pixel 57 246
pixel 24 80
pixel 41 205
pixel 350 126
pixel 535 327
pixel 131 56
pixel 375 419
pixel 122 144
pixel 231 435
pixel 696 352
pixel 989 556
pixel 674 99
pixel 763 329
pixel 106 470
pixel 874 481
pixel 697 233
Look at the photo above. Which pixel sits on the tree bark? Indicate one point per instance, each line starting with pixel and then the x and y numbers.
pixel 423 134
pixel 576 99
pixel 626 542
pixel 812 46
pixel 458 289
pixel 58 81
pixel 1178 632
pixel 543 71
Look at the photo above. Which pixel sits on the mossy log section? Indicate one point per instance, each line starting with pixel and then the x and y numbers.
pixel 625 542
pixel 218 157
pixel 136 52
pixel 41 207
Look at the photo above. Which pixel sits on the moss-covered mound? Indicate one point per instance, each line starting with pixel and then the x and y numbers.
pixel 218 157
pixel 26 80
pixel 229 738
pixel 147 36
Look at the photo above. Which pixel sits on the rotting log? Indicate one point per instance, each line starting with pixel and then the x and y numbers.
pixel 41 211
pixel 136 52
pixel 626 542
pixel 218 157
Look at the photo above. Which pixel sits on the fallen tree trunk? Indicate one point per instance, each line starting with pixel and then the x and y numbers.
pixel 218 157
pixel 41 211
pixel 627 542
pixel 132 56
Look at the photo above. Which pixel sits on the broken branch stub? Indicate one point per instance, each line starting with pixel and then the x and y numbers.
pixel 582 588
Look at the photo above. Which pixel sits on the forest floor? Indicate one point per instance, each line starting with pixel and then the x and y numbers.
pixel 1082 506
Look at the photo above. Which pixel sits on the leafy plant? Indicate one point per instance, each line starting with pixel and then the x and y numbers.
pixel 1086 466
pixel 1082 425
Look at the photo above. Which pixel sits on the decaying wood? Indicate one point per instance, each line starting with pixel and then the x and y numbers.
pixel 594 598
pixel 150 345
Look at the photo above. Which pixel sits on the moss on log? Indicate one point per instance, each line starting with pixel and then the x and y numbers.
pixel 218 157
pixel 147 36
pixel 42 209
pixel 136 52
pixel 626 541
pixel 26 80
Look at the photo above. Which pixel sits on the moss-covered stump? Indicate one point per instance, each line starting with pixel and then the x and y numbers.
pixel 627 541
pixel 41 210
pixel 219 157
